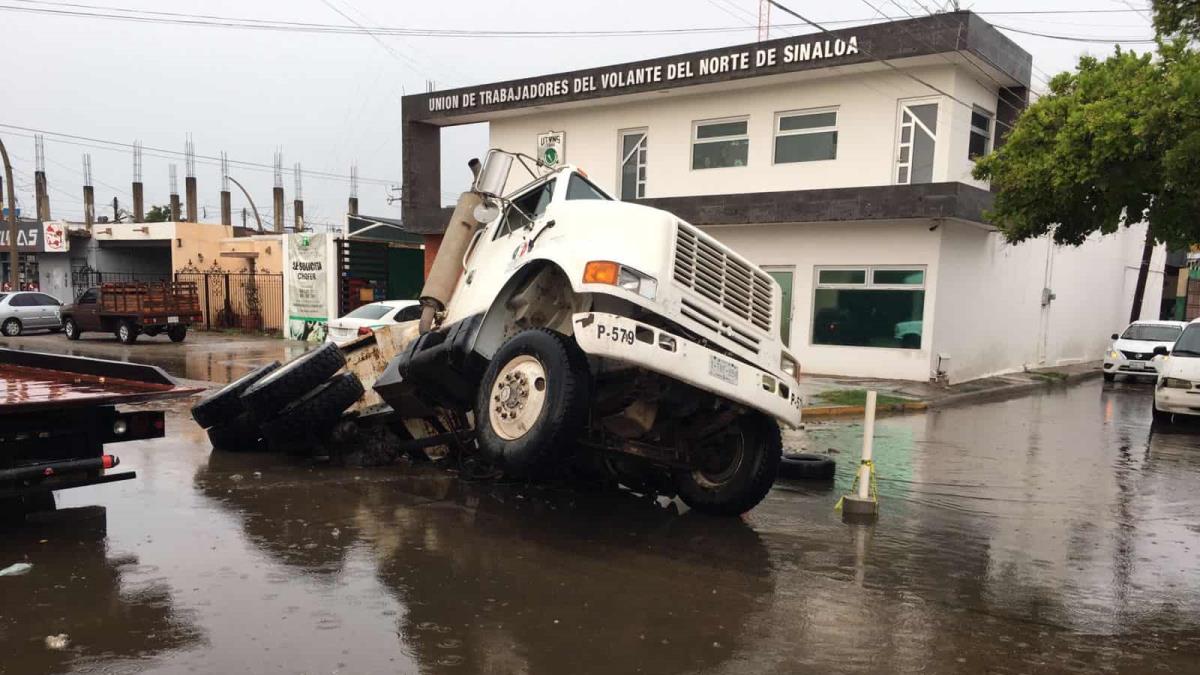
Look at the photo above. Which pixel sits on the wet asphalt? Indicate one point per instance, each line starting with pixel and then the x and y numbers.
pixel 1051 533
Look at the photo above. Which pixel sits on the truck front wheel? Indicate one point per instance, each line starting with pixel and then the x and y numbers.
pixel 532 401
pixel 71 328
pixel 734 468
pixel 127 333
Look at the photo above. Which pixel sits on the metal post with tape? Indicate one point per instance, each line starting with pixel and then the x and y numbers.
pixel 863 499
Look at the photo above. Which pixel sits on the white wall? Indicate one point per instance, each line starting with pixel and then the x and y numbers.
pixel 805 246
pixel 990 316
pixel 867 131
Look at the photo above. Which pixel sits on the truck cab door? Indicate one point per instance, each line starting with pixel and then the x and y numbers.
pixel 87 310
pixel 497 251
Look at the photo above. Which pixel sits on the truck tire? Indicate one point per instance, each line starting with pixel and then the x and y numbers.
pixel 226 402
pixel 240 434
pixel 532 401
pixel 11 327
pixel 312 415
pixel 126 332
pixel 177 333
pixel 293 380
pixel 807 466
pixel 739 466
pixel 71 329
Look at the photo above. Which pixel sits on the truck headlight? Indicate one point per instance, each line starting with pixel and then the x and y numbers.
pixel 607 272
pixel 789 366
pixel 1176 383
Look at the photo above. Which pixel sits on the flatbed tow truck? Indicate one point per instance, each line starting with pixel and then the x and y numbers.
pixel 58 412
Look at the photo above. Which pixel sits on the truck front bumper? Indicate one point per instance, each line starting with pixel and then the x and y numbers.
pixel 622 339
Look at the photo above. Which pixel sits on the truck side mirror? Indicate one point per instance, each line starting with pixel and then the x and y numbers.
pixel 493 175
pixel 1116 337
pixel 1160 351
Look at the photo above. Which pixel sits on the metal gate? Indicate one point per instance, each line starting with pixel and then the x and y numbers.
pixel 369 271
pixel 84 277
pixel 239 300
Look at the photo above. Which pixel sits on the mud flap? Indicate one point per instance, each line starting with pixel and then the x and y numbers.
pixel 439 369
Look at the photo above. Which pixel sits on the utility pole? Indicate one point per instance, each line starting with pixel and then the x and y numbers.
pixel 116 211
pixel 14 274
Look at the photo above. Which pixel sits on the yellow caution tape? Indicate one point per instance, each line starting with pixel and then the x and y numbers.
pixel 874 491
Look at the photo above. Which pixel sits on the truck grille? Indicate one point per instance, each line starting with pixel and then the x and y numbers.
pixel 741 288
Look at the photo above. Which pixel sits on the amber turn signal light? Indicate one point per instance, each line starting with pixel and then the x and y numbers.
pixel 601 272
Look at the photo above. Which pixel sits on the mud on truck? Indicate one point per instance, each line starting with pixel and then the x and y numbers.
pixel 566 329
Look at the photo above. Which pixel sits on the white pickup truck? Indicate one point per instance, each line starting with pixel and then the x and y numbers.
pixel 571 328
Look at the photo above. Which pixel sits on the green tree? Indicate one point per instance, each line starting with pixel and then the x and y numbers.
pixel 1177 17
pixel 158 214
pixel 1104 149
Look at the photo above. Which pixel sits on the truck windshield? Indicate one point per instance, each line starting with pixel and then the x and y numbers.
pixel 1188 344
pixel 579 187
pixel 1152 333
pixel 527 208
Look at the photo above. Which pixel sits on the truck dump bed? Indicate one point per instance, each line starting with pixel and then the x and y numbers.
pixel 33 381
pixel 167 298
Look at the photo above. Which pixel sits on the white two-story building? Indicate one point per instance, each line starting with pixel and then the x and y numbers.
pixel 841 163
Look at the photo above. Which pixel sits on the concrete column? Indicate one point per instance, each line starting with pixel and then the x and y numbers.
pixel 189 193
pixel 42 195
pixel 278 196
pixel 353 207
pixel 89 206
pixel 226 208
pixel 139 211
pixel 175 213
pixel 421 177
pixel 298 210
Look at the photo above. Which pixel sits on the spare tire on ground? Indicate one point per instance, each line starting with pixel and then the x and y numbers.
pixel 313 415
pixel 226 403
pixel 807 466
pixel 291 381
pixel 239 434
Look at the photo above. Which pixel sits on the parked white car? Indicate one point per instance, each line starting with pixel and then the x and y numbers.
pixel 1132 352
pixel 28 310
pixel 367 318
pixel 1178 389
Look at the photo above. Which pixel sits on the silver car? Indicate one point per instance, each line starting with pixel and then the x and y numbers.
pixel 28 310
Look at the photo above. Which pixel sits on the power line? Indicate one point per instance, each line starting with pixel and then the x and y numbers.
pixel 171 154
pixel 1078 38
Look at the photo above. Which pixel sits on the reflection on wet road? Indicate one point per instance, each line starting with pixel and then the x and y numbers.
pixel 1053 533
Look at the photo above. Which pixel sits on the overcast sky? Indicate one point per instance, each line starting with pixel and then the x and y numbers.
pixel 332 100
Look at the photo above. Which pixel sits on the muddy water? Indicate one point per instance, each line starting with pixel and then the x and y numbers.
pixel 1054 533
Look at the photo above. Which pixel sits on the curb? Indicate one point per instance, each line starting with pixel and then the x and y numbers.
pixel 849 410
pixel 1011 390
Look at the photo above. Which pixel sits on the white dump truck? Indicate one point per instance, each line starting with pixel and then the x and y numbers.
pixel 563 329
pixel 565 321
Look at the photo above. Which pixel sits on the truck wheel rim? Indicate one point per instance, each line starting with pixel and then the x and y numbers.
pixel 722 460
pixel 124 333
pixel 517 398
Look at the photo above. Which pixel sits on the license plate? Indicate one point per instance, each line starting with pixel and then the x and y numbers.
pixel 172 319
pixel 726 371
pixel 1138 366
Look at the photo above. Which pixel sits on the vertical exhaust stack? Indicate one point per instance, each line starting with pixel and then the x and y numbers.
pixel 298 201
pixel 189 180
pixel 41 190
pixel 139 204
pixel 226 201
pixel 174 196
pixel 89 195
pixel 352 206
pixel 447 266
pixel 277 193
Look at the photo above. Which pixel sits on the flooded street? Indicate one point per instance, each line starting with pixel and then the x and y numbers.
pixel 1053 533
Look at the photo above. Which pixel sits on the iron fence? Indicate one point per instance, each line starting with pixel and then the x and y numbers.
pixel 238 300
pixel 83 278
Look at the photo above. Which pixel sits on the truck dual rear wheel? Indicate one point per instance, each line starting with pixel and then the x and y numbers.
pixel 177 333
pixel 735 467
pixel 532 401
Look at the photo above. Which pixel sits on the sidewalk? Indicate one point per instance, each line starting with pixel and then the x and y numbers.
pixel 833 396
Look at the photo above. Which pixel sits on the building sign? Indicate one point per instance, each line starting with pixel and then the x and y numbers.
pixel 746 60
pixel 37 237
pixel 306 280
pixel 552 147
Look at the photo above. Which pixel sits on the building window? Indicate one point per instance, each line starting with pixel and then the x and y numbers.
pixel 981 133
pixel 783 277
pixel 720 143
pixel 918 136
pixel 806 136
pixel 869 307
pixel 633 164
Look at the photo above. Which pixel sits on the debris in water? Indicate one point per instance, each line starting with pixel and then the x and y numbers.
pixel 336 532
pixel 16 570
pixel 236 477
pixel 258 474
pixel 57 642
